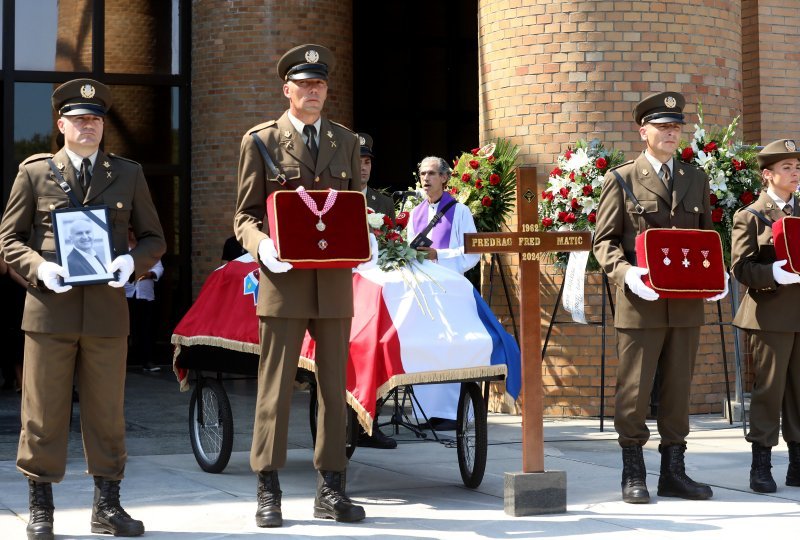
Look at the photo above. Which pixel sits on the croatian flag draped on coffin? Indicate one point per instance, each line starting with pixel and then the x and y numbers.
pixel 418 325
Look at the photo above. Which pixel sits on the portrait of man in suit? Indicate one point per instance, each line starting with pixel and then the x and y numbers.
pixel 83 259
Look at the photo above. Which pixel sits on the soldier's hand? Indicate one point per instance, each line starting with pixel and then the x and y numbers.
pixel 48 273
pixel 269 256
pixel 123 264
pixel 633 279
pixel 724 293
pixel 373 261
pixel 781 276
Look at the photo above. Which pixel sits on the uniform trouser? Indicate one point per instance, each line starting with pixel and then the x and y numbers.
pixel 776 363
pixel 51 361
pixel 281 341
pixel 640 352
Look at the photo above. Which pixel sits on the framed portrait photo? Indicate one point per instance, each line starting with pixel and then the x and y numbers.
pixel 83 244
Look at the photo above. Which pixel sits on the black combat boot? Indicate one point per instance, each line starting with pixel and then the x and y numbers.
pixel 673 481
pixel 108 516
pixel 331 501
pixel 793 472
pixel 40 524
pixel 634 486
pixel 377 439
pixel 269 500
pixel 761 479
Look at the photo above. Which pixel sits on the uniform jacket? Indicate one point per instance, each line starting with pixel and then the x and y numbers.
pixel 618 223
pixel 379 202
pixel 296 293
pixel 766 305
pixel 27 240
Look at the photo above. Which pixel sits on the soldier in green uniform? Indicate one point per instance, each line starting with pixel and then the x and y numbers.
pixel 313 152
pixel 653 332
pixel 376 200
pixel 79 329
pixel 770 312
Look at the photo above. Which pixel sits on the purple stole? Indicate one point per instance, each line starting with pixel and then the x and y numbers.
pixel 440 234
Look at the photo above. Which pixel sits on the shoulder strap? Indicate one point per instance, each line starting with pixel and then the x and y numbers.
pixel 262 148
pixel 62 183
pixel 636 204
pixel 764 219
pixel 437 217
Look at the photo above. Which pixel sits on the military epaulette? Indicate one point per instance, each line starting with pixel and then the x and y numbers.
pixel 36 157
pixel 259 127
pixel 621 165
pixel 115 156
pixel 342 126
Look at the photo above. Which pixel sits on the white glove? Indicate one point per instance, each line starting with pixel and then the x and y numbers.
pixel 781 276
pixel 633 279
pixel 48 273
pixel 373 249
pixel 123 263
pixel 269 256
pixel 724 293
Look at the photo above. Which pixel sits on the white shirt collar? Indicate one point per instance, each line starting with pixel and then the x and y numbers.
pixel 778 201
pixel 78 160
pixel 657 164
pixel 298 125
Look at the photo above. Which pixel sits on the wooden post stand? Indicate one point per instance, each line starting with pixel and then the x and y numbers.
pixel 533 491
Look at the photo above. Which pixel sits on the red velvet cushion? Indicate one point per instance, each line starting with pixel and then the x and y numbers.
pixel 688 275
pixel 293 227
pixel 786 237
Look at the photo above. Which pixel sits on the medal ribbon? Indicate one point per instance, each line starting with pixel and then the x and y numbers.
pixel 329 201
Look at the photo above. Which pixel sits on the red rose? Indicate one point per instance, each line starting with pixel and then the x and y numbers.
pixel 572 176
pixel 592 217
pixel 588 190
pixel 490 159
pixel 713 199
pixel 550 196
pixel 738 165
pixel 486 201
pixel 574 203
pixel 453 191
pixel 466 177
pixel 388 221
pixel 716 215
pixel 478 183
pixel 547 222
pixel 747 197
pixel 563 191
pixel 687 154
pixel 475 151
pixel 601 163
pixel 474 164
pixel 562 216
pixel 392 235
pixel 544 195
pixel 710 147
pixel 570 218
pixel 556 172
pixel 568 153
pixel 494 179
pixel 402 219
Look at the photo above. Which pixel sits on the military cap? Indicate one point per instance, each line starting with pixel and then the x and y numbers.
pixel 661 108
pixel 366 145
pixel 777 151
pixel 81 96
pixel 308 61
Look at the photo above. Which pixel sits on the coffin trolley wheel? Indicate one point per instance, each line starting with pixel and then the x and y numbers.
pixel 210 425
pixel 471 436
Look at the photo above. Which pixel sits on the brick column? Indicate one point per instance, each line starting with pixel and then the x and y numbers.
pixel 554 71
pixel 771 66
pixel 235 48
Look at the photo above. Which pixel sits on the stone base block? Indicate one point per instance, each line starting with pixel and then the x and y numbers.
pixel 528 494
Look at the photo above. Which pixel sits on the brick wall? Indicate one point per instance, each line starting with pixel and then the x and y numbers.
pixel 771 63
pixel 235 48
pixel 555 71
